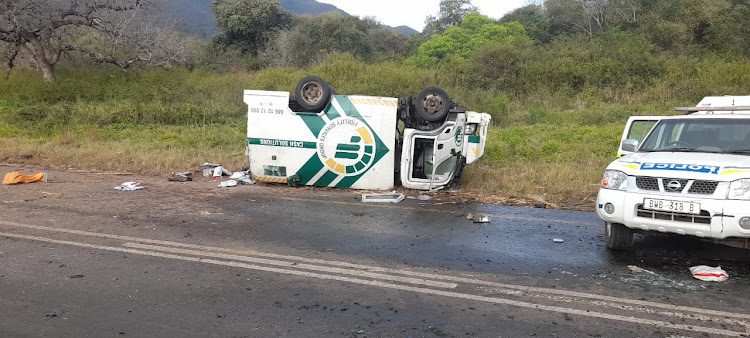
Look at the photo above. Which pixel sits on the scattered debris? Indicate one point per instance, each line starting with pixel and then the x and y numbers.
pixel 478 218
pixel 209 165
pixel 709 274
pixel 209 169
pixel 77 276
pixel 540 206
pixel 18 178
pixel 424 198
pixel 242 177
pixel 558 240
pixel 228 184
pixel 220 171
pixel 382 198
pixel 55 314
pixel 130 186
pixel 639 270
pixel 181 177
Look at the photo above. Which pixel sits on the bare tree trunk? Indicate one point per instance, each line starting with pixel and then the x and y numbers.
pixel 48 71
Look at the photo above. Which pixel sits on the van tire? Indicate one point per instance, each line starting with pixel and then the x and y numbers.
pixel 313 94
pixel 618 236
pixel 432 104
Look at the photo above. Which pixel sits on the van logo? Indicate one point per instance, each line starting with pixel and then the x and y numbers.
pixel 674 186
pixel 347 146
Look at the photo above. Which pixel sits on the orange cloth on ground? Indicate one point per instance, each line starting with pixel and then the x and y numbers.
pixel 18 178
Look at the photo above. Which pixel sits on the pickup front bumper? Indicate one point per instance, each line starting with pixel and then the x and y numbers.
pixel 719 219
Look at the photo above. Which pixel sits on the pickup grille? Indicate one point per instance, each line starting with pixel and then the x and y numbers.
pixel 647 183
pixel 703 187
pixel 703 218
pixel 676 185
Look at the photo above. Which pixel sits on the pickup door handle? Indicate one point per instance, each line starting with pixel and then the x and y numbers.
pixel 440 146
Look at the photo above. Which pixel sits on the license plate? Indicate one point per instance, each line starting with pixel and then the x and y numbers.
pixel 672 206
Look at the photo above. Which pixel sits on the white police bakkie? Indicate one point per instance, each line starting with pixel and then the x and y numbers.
pixel 686 174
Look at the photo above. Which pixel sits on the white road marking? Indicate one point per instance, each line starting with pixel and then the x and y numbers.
pixel 458 295
pixel 304 266
pixel 559 292
pixel 628 308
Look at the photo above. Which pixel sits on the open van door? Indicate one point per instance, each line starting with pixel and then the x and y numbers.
pixel 636 129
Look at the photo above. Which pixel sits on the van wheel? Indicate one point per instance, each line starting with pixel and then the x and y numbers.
pixel 432 104
pixel 313 93
pixel 619 237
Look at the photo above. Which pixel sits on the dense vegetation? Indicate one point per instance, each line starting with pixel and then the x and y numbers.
pixel 559 81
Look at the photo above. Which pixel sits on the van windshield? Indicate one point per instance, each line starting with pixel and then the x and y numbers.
pixel 731 136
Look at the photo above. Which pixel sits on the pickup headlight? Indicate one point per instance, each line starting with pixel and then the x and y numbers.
pixel 614 179
pixel 739 190
pixel 471 128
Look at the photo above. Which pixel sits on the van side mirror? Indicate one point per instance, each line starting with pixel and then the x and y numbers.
pixel 629 145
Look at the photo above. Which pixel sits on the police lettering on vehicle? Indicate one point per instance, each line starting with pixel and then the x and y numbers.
pixel 696 168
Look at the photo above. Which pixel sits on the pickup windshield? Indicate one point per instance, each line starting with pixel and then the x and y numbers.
pixel 705 135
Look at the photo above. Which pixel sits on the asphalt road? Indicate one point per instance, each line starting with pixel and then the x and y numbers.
pixel 191 259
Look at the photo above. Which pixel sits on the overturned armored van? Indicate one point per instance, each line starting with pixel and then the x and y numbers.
pixel 315 137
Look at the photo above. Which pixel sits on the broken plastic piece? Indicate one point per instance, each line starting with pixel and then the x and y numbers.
pixel 130 186
pixel 382 198
pixel 478 218
pixel 424 197
pixel 558 240
pixel 709 274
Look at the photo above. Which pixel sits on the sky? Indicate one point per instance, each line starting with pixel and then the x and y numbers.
pixel 413 12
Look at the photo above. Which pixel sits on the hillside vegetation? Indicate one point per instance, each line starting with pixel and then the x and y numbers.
pixel 558 96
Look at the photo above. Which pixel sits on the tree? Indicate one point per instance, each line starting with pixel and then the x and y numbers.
pixel 460 41
pixel 314 37
pixel 532 18
pixel 590 16
pixel 452 13
pixel 116 32
pixel 249 25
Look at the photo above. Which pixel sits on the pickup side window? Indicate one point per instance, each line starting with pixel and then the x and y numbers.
pixel 639 129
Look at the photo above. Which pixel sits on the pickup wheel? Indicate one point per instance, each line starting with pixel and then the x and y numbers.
pixel 432 104
pixel 313 93
pixel 619 237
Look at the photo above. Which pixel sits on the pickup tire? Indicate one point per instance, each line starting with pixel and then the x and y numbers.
pixel 618 236
pixel 313 94
pixel 432 104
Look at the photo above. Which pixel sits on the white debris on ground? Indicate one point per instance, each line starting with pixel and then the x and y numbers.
pixel 129 186
pixel 708 273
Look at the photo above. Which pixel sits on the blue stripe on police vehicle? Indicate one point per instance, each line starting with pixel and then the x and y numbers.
pixel 696 168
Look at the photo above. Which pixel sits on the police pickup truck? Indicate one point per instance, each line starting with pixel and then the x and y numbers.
pixel 687 175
